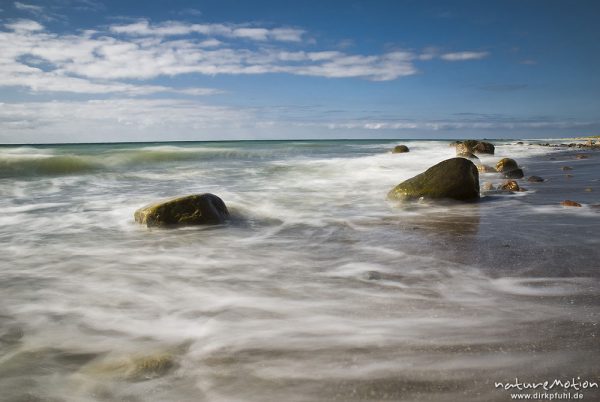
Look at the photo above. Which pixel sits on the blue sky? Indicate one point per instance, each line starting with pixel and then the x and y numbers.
pixel 89 70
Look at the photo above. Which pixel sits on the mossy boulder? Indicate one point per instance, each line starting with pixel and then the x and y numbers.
pixel 195 209
pixel 474 147
pixel 455 178
pixel 400 149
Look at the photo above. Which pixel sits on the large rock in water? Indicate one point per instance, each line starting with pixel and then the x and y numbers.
pixel 400 149
pixel 455 178
pixel 474 147
pixel 196 209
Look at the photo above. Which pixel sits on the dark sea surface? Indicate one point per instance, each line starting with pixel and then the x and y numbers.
pixel 319 289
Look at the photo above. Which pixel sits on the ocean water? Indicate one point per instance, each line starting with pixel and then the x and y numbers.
pixel 319 289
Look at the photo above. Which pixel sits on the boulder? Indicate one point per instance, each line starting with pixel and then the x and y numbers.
pixel 509 168
pixel 196 209
pixel 569 203
pixel 474 147
pixel 455 178
pixel 400 149
pixel 506 165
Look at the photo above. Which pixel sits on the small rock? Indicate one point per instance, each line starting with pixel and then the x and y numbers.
pixel 569 203
pixel 400 149
pixel 588 190
pixel 519 142
pixel 372 275
pixel 535 179
pixel 581 156
pixel 568 176
pixel 510 185
pixel 566 168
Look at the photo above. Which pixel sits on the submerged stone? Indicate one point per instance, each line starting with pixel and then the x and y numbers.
pixel 535 179
pixel 455 178
pixel 196 209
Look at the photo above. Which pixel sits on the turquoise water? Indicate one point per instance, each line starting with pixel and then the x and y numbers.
pixel 319 289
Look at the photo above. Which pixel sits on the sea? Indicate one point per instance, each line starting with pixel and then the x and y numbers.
pixel 319 288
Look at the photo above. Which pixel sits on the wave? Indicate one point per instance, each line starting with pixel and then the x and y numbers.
pixel 28 162
pixel 46 166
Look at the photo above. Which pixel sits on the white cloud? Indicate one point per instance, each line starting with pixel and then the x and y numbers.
pixel 176 28
pixel 462 56
pixel 29 8
pixel 152 119
pixel 96 62
pixel 117 120
pixel 23 26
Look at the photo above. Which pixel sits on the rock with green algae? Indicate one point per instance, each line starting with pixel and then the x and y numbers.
pixel 195 209
pixel 400 149
pixel 455 178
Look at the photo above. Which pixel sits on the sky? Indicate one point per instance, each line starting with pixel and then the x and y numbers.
pixel 111 71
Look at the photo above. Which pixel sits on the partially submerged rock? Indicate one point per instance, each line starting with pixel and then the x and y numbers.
pixel 196 209
pixel 474 147
pixel 400 149
pixel 569 203
pixel 133 368
pixel 510 185
pixel 535 179
pixel 455 178
pixel 509 168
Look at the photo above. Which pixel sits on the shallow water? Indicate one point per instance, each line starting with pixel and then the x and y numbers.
pixel 319 289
